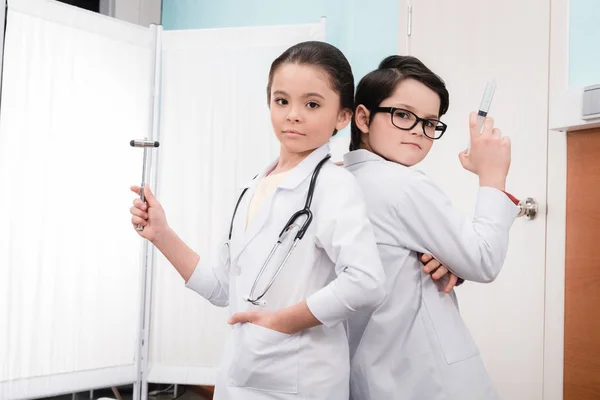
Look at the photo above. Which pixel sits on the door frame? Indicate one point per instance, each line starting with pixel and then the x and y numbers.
pixel 556 208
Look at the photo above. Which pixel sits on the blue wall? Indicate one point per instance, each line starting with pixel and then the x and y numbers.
pixel 366 31
pixel 584 42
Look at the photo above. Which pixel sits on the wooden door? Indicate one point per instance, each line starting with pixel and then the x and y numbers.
pixel 582 274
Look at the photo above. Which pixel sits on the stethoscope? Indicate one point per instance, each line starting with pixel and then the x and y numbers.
pixel 284 232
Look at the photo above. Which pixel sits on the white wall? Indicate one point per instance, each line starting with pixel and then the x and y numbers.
pixel 565 97
pixel 141 12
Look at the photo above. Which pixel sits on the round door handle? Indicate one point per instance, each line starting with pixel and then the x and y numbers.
pixel 528 208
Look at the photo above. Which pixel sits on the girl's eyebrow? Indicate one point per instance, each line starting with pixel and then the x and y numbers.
pixel 314 94
pixel 305 95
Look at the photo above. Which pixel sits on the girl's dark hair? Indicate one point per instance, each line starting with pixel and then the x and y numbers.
pixel 325 56
pixel 378 85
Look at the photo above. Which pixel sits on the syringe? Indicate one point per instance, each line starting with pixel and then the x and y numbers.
pixel 486 103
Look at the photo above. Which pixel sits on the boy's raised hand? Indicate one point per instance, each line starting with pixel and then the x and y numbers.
pixel 489 157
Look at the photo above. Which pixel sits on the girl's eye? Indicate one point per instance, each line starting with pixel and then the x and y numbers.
pixel 281 101
pixel 402 115
pixel 312 105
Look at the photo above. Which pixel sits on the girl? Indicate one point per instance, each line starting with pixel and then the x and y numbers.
pixel 288 341
pixel 415 345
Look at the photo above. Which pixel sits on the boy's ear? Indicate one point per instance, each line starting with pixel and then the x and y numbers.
pixel 361 118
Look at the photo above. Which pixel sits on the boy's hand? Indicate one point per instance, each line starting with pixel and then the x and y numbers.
pixel 489 156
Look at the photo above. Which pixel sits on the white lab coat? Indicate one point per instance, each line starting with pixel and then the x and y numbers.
pixel 415 345
pixel 335 268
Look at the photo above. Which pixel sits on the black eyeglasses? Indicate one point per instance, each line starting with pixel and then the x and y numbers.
pixel 406 120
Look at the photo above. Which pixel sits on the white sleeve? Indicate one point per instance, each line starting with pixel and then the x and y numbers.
pixel 346 235
pixel 472 249
pixel 211 279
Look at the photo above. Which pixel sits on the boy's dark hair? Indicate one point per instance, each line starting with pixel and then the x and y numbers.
pixel 325 56
pixel 378 85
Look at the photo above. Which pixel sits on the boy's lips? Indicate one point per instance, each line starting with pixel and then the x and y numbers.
pixel 412 144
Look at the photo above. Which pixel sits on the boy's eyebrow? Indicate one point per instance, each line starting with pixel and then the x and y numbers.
pixel 410 108
pixel 305 95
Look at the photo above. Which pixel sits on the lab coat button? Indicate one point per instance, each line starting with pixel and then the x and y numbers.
pixel 237 271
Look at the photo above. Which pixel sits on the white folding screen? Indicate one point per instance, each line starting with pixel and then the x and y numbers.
pixel 76 89
pixel 2 21
pixel 215 136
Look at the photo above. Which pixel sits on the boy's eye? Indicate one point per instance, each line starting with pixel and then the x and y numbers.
pixel 312 105
pixel 281 101
pixel 429 124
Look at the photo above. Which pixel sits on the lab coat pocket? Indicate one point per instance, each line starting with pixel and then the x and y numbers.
pixel 452 333
pixel 265 360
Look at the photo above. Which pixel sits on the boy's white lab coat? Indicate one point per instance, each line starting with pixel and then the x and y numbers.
pixel 335 268
pixel 415 345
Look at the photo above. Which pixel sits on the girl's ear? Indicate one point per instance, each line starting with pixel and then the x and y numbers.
pixel 361 117
pixel 344 118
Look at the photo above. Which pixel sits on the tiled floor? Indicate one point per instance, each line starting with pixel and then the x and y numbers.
pixel 126 394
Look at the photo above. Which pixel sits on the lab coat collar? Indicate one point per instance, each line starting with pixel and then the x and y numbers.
pixel 299 173
pixel 252 182
pixel 360 156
